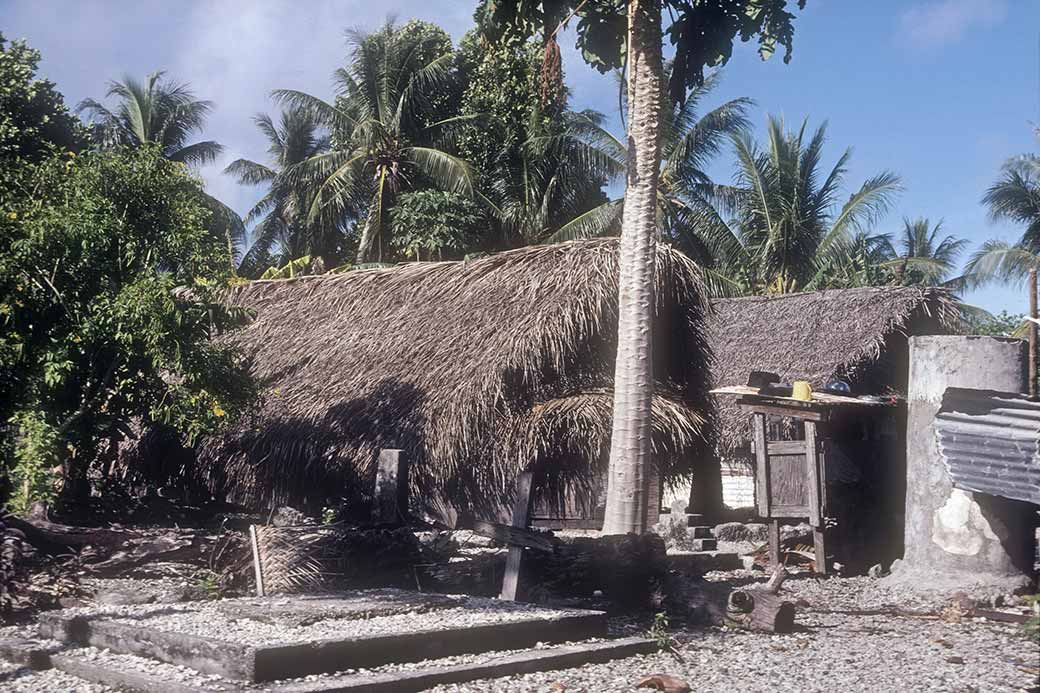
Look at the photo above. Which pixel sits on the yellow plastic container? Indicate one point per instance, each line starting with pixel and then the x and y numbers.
pixel 802 391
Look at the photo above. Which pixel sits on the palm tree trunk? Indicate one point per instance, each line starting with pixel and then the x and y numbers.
pixel 1032 332
pixel 627 475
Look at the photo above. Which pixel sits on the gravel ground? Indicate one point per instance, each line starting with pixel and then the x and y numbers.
pixel 831 651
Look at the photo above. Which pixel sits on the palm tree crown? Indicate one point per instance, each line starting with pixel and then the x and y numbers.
pixel 386 137
pixel 790 230
pixel 156 111
pixel 282 232
pixel 1015 197
pixel 922 256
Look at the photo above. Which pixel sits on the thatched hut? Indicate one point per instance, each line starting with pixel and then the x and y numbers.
pixel 477 369
pixel 855 335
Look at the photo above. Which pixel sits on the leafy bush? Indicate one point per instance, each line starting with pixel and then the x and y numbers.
pixel 36 457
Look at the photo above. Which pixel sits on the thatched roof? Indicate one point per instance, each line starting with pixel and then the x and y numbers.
pixel 817 336
pixel 477 369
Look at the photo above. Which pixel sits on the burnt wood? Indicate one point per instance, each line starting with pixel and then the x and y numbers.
pixel 514 536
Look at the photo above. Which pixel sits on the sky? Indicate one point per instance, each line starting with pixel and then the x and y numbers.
pixel 939 91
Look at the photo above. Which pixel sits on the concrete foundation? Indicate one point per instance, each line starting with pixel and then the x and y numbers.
pixel 955 539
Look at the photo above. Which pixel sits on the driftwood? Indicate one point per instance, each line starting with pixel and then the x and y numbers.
pixel 111 551
pixel 44 533
pixel 762 608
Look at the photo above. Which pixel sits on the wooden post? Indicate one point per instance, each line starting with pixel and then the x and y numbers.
pixel 1032 332
pixel 774 543
pixel 521 509
pixel 761 466
pixel 390 501
pixel 257 568
pixel 812 480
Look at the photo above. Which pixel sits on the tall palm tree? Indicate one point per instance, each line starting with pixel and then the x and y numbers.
pixel 789 231
pixel 630 453
pixel 283 231
pixel 922 257
pixel 1014 197
pixel 164 113
pixel 383 139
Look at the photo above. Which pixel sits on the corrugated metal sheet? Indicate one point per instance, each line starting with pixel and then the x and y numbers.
pixel 990 442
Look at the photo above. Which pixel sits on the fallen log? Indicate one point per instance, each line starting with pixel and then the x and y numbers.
pixel 44 532
pixel 761 608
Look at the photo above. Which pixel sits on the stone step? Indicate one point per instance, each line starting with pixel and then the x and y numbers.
pixel 702 532
pixel 261 640
pixel 128 672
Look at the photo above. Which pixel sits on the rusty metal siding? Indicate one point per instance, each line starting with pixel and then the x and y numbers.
pixel 990 442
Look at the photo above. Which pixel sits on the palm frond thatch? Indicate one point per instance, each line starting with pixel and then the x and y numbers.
pixel 477 369
pixel 816 336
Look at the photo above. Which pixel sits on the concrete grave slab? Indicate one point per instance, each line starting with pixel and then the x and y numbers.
pixel 296 636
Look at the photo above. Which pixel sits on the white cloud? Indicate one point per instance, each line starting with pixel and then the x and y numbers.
pixel 941 22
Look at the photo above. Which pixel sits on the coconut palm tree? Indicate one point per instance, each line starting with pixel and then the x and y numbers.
pixel 283 232
pixel 922 257
pixel 788 230
pixel 384 141
pixel 166 114
pixel 1014 197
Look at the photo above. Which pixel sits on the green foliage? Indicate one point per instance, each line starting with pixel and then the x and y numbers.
pixel 33 116
pixel 109 304
pixel 1002 325
pixel 503 91
pixel 658 632
pixel 701 33
pixel 36 457
pixel 434 224
pixel 165 114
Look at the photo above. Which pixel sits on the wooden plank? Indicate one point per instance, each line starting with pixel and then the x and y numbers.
pixel 798 412
pixel 258 570
pixel 785 447
pixel 761 465
pixel 521 510
pixel 820 550
pixel 774 543
pixel 812 480
pixel 390 503
pixel 788 512
pixel 514 536
pixel 565 657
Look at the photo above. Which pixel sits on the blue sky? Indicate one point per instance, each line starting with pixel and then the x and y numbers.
pixel 939 91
